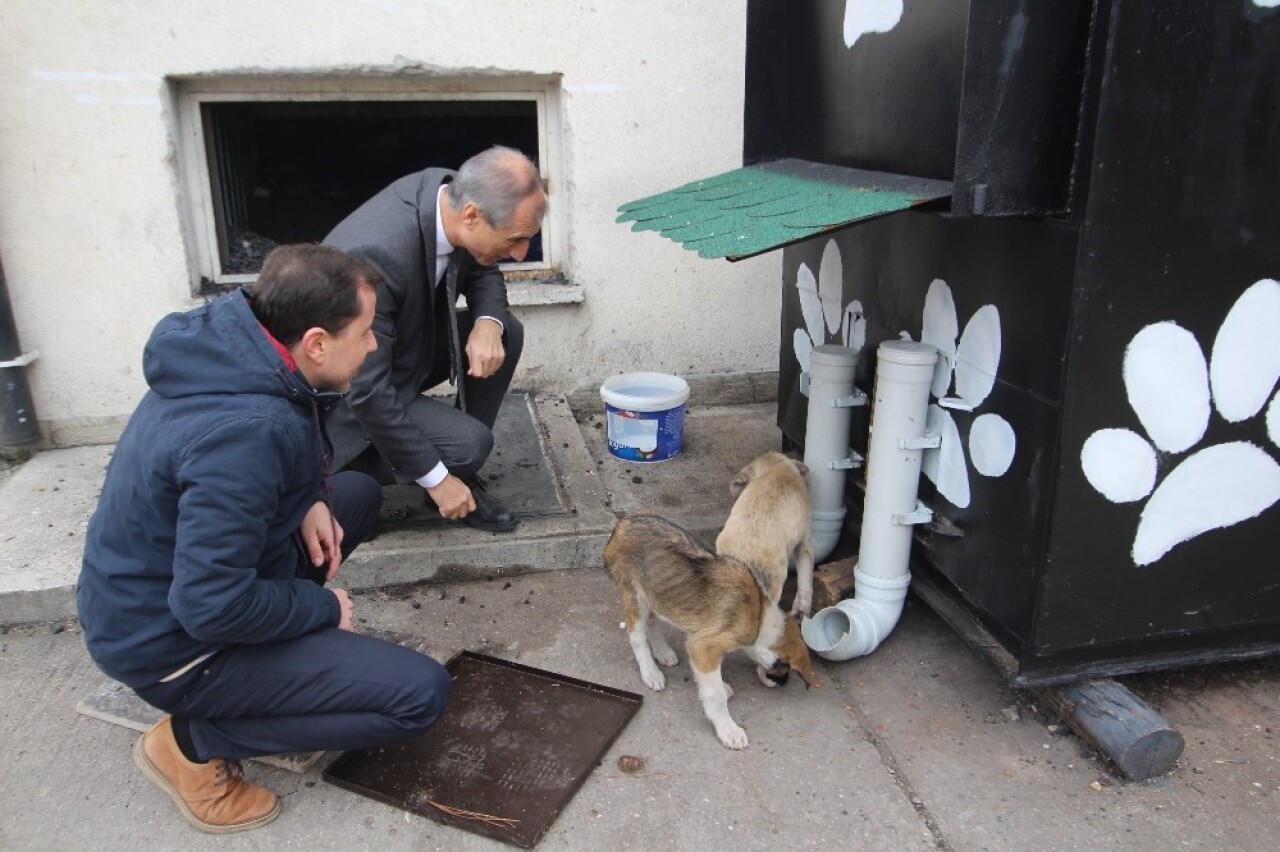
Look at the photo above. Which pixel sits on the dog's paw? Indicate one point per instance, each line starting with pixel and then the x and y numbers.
pixel 655 680
pixel 800 607
pixel 732 736
pixel 728 692
pixel 665 657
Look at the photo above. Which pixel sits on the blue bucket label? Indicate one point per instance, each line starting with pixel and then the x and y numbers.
pixel 645 436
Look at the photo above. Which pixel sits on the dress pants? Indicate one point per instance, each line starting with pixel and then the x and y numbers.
pixel 463 439
pixel 328 690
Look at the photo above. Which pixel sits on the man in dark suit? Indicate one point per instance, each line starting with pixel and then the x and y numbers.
pixel 433 235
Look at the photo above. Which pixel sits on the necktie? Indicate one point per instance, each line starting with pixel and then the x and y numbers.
pixel 455 345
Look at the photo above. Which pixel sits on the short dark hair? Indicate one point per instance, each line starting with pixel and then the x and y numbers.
pixel 496 180
pixel 307 286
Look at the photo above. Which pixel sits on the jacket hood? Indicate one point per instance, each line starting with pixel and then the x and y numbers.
pixel 219 348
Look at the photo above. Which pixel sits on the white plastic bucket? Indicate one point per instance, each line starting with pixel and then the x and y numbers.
pixel 644 414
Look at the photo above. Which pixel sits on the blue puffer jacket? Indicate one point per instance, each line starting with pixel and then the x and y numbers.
pixel 192 545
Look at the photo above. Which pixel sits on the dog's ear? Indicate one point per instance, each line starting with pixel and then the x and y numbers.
pixel 738 483
pixel 801 467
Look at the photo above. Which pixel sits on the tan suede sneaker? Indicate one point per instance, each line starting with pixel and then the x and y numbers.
pixel 213 796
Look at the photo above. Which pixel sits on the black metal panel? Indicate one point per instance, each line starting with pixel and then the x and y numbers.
pixel 780 113
pixel 1182 218
pixel 889 103
pixel 1024 269
pixel 1170 189
pixel 1023 80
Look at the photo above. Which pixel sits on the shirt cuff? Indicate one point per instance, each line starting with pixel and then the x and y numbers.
pixel 494 319
pixel 434 477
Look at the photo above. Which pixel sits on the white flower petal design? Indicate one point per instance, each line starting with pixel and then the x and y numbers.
pixel 978 355
pixel 1273 420
pixel 810 304
pixel 802 345
pixel 1217 487
pixel 1246 353
pixel 875 16
pixel 946 466
pixel 1168 385
pixel 1119 464
pixel 855 326
pixel 991 444
pixel 939 330
pixel 831 285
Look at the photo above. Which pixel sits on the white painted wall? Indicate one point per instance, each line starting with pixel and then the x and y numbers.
pixel 92 227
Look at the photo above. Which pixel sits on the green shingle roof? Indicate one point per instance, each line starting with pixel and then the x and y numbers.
pixel 755 209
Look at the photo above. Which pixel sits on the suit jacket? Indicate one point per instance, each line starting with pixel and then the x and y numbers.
pixel 395 233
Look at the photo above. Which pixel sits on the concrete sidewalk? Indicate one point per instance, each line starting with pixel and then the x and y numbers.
pixel 917 746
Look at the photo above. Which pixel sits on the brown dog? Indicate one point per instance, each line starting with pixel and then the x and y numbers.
pixel 768 527
pixel 661 569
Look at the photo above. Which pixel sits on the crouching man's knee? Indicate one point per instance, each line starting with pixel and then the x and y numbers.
pixel 429 687
pixel 513 341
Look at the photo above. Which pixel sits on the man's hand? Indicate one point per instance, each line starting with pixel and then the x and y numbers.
pixel 322 535
pixel 485 353
pixel 453 498
pixel 344 603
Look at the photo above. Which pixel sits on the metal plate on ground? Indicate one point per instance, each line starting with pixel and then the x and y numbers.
pixel 518 474
pixel 507 756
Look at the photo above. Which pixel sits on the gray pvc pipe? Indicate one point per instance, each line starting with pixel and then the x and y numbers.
pixel 831 370
pixel 856 626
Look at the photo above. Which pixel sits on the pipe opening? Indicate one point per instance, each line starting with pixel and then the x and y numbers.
pixel 826 629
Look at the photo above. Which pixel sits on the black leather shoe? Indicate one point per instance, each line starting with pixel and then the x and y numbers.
pixel 489 514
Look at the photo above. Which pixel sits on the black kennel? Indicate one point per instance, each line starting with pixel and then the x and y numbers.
pixel 1103 268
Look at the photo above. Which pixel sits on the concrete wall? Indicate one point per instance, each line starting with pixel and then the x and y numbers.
pixel 95 237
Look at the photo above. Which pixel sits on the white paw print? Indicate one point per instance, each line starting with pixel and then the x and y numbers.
pixel 820 304
pixel 869 16
pixel 1172 390
pixel 973 362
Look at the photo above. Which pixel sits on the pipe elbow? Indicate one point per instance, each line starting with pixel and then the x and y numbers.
pixel 856 626
pixel 825 528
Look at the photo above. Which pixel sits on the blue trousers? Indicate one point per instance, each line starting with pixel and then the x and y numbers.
pixel 327 690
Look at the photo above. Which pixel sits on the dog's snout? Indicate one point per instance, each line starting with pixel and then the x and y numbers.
pixel 778 672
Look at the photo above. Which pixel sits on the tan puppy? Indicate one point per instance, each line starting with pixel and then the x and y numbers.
pixel 661 569
pixel 768 527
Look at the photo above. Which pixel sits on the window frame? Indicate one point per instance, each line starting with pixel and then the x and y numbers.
pixel 198 209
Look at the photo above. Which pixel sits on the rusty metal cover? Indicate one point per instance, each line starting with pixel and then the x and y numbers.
pixel 510 752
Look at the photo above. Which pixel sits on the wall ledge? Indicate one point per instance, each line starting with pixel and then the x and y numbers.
pixel 534 292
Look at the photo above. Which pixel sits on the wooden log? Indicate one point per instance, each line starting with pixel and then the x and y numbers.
pixel 831 582
pixel 1103 713
pixel 1122 726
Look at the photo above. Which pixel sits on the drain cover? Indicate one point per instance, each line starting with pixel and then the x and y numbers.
pixel 510 752
pixel 518 474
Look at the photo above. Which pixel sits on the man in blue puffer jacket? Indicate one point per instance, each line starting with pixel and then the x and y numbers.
pixel 202 586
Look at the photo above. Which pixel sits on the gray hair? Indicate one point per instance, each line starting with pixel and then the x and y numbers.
pixel 496 181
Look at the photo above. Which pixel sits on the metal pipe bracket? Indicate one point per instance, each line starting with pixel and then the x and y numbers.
pixel 927 441
pixel 922 515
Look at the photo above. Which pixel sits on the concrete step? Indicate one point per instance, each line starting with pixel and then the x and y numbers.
pixel 45 506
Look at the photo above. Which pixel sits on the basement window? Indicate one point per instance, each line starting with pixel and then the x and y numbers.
pixel 266 164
